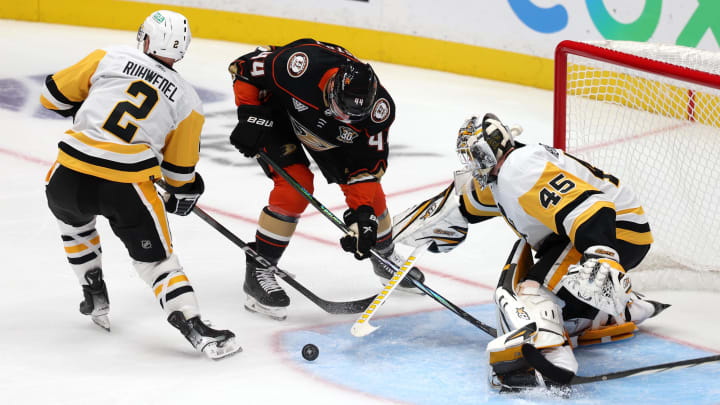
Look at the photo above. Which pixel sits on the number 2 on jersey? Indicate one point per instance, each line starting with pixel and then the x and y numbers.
pixel 139 112
pixel 550 197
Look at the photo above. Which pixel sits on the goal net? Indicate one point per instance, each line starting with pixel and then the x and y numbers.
pixel 650 114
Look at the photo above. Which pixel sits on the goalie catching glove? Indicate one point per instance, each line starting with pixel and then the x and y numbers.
pixel 437 219
pixel 181 201
pixel 363 225
pixel 600 281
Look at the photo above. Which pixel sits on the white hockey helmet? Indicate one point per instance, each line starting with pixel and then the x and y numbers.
pixel 168 32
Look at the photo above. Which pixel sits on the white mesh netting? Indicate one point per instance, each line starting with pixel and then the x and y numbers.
pixel 661 136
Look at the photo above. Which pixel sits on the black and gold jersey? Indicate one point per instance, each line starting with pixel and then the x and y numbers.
pixel 135 119
pixel 541 191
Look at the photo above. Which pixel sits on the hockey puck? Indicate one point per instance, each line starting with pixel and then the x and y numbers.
pixel 310 352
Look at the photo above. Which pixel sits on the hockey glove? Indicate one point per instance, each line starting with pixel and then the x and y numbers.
pixel 600 281
pixel 254 123
pixel 182 201
pixel 364 224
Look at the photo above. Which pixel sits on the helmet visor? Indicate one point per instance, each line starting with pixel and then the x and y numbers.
pixel 348 107
pixel 476 157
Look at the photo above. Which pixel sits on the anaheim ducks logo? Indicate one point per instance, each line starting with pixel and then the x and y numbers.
pixel 288 149
pixel 308 138
pixel 380 111
pixel 522 314
pixel 297 64
pixel 347 135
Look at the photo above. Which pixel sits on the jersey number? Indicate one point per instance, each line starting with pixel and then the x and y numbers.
pixel 560 184
pixel 112 123
pixel 258 64
pixel 376 141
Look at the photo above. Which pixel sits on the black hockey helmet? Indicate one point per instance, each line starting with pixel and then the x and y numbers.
pixel 351 92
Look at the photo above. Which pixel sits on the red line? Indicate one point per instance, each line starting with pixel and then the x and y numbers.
pixel 627 139
pixel 299 234
pixel 389 195
pixel 25 157
pixel 682 342
pixel 334 243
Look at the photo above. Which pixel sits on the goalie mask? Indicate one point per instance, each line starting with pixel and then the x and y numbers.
pixel 168 33
pixel 481 146
pixel 351 92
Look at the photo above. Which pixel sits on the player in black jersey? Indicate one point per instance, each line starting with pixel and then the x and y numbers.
pixel 314 97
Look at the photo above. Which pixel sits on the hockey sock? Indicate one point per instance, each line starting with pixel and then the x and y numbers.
pixel 384 244
pixel 170 285
pixel 82 247
pixel 274 233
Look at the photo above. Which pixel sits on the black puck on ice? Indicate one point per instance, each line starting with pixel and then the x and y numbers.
pixel 310 352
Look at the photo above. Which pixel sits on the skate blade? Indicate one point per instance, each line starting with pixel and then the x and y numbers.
pixel 216 352
pixel 102 321
pixel 276 313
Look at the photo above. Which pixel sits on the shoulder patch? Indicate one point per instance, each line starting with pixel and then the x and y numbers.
pixel 551 150
pixel 297 64
pixel 380 111
pixel 347 135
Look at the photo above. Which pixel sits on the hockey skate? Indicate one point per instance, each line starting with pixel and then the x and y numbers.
pixel 526 379
pixel 385 274
pixel 96 302
pixel 216 344
pixel 264 294
pixel 639 308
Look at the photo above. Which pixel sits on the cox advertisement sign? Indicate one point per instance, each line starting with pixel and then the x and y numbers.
pixel 531 27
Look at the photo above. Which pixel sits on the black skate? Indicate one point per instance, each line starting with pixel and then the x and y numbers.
pixel 216 344
pixel 385 274
pixel 96 302
pixel 527 379
pixel 264 294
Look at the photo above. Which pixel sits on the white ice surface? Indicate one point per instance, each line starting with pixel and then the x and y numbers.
pixel 50 354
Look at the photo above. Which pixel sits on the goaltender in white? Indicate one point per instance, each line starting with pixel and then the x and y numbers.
pixel 585 227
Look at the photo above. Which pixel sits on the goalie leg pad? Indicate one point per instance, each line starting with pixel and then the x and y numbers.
pixel 532 316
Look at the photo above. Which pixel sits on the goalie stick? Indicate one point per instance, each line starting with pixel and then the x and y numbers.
pixel 385 262
pixel 536 359
pixel 362 326
pixel 331 307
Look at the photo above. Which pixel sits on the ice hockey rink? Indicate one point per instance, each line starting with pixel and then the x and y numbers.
pixel 422 354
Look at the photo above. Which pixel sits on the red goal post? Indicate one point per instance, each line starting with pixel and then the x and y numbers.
pixel 650 114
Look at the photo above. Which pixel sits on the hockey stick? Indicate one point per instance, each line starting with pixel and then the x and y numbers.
pixel 331 307
pixel 385 262
pixel 535 358
pixel 362 326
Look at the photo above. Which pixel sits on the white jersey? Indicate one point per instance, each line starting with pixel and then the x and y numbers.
pixel 542 190
pixel 133 115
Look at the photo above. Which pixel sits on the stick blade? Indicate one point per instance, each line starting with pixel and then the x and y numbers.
pixel 362 329
pixel 536 359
